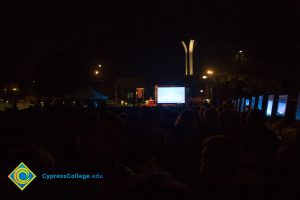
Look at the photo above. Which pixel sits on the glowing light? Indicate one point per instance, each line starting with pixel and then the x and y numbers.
pixel 184 46
pixel 210 72
pixel 7 101
pixel 204 77
pixel 5 89
pixel 99 66
pixel 201 91
pixel 191 49
pixel 14 89
pixel 186 58
pixel 96 72
pixel 140 93
pixel 240 51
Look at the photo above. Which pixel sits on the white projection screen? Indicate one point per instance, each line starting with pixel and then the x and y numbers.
pixel 171 95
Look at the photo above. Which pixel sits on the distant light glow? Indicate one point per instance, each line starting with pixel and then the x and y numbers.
pixel 99 66
pixel 210 72
pixel 201 91
pixel 14 89
pixel 204 77
pixel 140 92
pixel 6 101
pixel 240 51
pixel 96 72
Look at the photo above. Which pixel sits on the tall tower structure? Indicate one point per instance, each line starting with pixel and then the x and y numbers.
pixel 189 50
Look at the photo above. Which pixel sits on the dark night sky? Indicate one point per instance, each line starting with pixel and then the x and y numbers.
pixel 141 37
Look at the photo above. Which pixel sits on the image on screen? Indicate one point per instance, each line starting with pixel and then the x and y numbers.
pixel 298 108
pixel 260 102
pixel 282 101
pixel 252 102
pixel 247 102
pixel 242 105
pixel 170 95
pixel 247 105
pixel 234 103
pixel 237 104
pixel 270 105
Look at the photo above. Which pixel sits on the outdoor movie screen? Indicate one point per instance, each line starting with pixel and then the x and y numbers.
pixel 171 95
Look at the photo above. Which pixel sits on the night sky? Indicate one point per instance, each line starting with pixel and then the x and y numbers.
pixel 140 38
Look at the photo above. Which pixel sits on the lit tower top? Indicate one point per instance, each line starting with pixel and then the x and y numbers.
pixel 189 50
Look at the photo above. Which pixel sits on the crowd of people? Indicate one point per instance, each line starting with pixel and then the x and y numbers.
pixel 186 152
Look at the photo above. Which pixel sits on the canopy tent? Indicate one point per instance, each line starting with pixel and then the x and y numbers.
pixel 86 93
